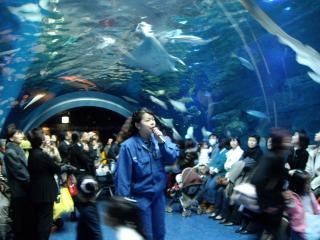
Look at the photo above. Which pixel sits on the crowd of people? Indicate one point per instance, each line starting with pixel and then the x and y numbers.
pixel 147 168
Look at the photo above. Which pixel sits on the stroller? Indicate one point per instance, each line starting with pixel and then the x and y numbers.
pixel 185 191
pixel 105 181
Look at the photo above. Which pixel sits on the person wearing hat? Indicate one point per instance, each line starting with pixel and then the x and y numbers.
pixel 89 222
pixel 18 180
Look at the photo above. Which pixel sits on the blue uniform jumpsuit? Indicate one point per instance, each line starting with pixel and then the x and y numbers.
pixel 140 175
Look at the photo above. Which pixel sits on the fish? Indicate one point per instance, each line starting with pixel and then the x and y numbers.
pixel 218 117
pixel 164 36
pixel 244 62
pixel 158 102
pixel 106 22
pixel 305 55
pixel 183 22
pixel 315 77
pixel 150 55
pixel 79 80
pixel 178 106
pixel 168 122
pixel 155 93
pixel 1 112
pixel 9 52
pixel 1 88
pixel 39 48
pixel 176 135
pixel 192 39
pixel 35 99
pixel 27 12
pixel 106 41
pixel 185 100
pixel 130 99
pixel 205 133
pixel 190 132
pixel 257 114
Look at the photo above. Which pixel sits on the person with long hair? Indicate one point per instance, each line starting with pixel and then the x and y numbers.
pixel 140 171
pixel 269 179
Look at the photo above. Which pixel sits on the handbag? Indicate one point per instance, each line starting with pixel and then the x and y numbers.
pixel 72 187
pixel 245 194
pixel 64 203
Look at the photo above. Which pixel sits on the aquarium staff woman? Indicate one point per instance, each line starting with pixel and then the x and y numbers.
pixel 140 169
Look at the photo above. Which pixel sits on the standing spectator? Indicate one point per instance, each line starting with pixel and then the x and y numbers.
pixel 269 180
pixel 43 187
pixel 140 170
pixel 18 181
pixel 49 147
pixel 79 158
pixel 64 147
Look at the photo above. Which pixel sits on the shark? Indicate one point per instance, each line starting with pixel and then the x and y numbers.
pixel 150 55
pixel 305 55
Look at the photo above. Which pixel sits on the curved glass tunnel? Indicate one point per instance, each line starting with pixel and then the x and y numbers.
pixel 227 66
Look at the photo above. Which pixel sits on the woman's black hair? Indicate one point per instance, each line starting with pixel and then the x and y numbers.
pixel 224 143
pixel 278 136
pixel 124 212
pixel 299 182
pixel 75 137
pixel 303 139
pixel 35 137
pixel 129 128
pixel 237 139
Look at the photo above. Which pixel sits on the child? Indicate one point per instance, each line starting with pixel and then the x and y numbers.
pixel 89 222
pixel 123 215
pixel 303 208
pixel 204 153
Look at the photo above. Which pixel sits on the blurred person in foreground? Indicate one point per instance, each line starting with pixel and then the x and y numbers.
pixel 140 171
pixel 269 180
pixel 122 214
pixel 89 223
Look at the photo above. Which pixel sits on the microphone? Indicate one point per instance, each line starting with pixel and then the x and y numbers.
pixel 162 139
pixel 159 136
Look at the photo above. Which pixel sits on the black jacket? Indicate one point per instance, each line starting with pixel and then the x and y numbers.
pixel 17 173
pixel 269 181
pixel 297 159
pixel 64 151
pixel 43 187
pixel 79 158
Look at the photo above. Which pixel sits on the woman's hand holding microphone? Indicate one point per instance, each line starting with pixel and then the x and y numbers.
pixel 159 135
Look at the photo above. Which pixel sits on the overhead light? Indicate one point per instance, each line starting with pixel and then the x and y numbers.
pixel 65 119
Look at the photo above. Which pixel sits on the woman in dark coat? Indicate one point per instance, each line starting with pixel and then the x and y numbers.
pixel 269 180
pixel 43 188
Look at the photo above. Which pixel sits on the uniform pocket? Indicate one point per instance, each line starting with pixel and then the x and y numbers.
pixel 142 167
